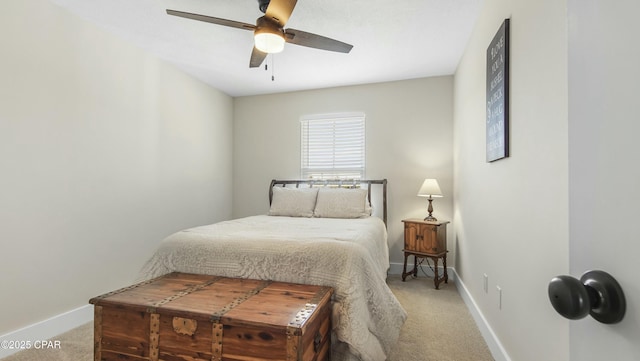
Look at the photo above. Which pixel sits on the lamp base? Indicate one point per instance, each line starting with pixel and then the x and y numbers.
pixel 430 218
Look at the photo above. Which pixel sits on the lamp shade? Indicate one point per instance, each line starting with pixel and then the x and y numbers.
pixel 430 188
pixel 269 40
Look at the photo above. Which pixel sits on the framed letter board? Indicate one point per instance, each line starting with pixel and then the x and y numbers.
pixel 498 95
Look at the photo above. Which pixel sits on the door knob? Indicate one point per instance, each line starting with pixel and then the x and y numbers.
pixel 596 293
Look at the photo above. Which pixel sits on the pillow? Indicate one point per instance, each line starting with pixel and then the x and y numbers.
pixel 342 203
pixel 293 202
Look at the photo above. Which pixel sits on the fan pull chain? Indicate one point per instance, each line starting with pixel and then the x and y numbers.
pixel 273 78
pixel 266 68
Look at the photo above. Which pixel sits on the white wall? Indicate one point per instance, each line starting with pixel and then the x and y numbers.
pixel 511 216
pixel 409 136
pixel 104 150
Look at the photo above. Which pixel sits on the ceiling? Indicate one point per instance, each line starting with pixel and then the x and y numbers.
pixel 393 40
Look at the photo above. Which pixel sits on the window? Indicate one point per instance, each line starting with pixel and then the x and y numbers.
pixel 332 146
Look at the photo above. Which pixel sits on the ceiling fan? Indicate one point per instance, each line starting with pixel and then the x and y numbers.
pixel 269 32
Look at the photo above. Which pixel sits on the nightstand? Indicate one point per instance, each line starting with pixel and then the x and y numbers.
pixel 425 239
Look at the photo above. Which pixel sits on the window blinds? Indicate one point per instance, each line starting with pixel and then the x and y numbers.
pixel 333 147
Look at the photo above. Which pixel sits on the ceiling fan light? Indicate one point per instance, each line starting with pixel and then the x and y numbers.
pixel 268 42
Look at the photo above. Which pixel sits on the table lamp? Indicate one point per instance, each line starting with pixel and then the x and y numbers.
pixel 430 188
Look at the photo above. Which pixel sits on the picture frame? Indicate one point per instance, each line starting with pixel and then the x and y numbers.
pixel 497 115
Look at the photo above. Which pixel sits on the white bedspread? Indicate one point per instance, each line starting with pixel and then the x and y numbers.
pixel 350 255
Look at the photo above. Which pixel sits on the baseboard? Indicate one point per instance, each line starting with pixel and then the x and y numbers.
pixel 44 330
pixel 395 268
pixel 497 350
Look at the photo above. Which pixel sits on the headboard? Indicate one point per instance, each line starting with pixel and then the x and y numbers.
pixel 337 183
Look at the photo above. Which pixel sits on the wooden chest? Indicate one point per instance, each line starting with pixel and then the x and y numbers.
pixel 191 317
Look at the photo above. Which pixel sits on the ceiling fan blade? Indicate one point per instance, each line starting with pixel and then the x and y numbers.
pixel 311 40
pixel 257 57
pixel 212 20
pixel 280 10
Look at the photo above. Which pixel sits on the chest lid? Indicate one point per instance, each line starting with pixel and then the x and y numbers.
pixel 231 301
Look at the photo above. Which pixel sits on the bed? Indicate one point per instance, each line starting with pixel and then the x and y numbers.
pixel 315 233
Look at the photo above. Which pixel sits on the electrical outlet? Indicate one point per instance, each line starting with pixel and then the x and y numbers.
pixel 499 297
pixel 486 283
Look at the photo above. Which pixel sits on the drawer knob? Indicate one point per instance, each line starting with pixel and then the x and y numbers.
pixel 596 293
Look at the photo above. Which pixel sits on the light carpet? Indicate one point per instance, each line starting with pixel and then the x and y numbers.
pixel 439 328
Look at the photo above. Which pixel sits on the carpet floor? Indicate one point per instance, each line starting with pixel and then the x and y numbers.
pixel 439 328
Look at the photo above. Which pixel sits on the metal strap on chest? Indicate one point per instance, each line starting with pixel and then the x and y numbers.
pixel 238 300
pixel 155 305
pixel 124 289
pixel 217 328
pixel 303 315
